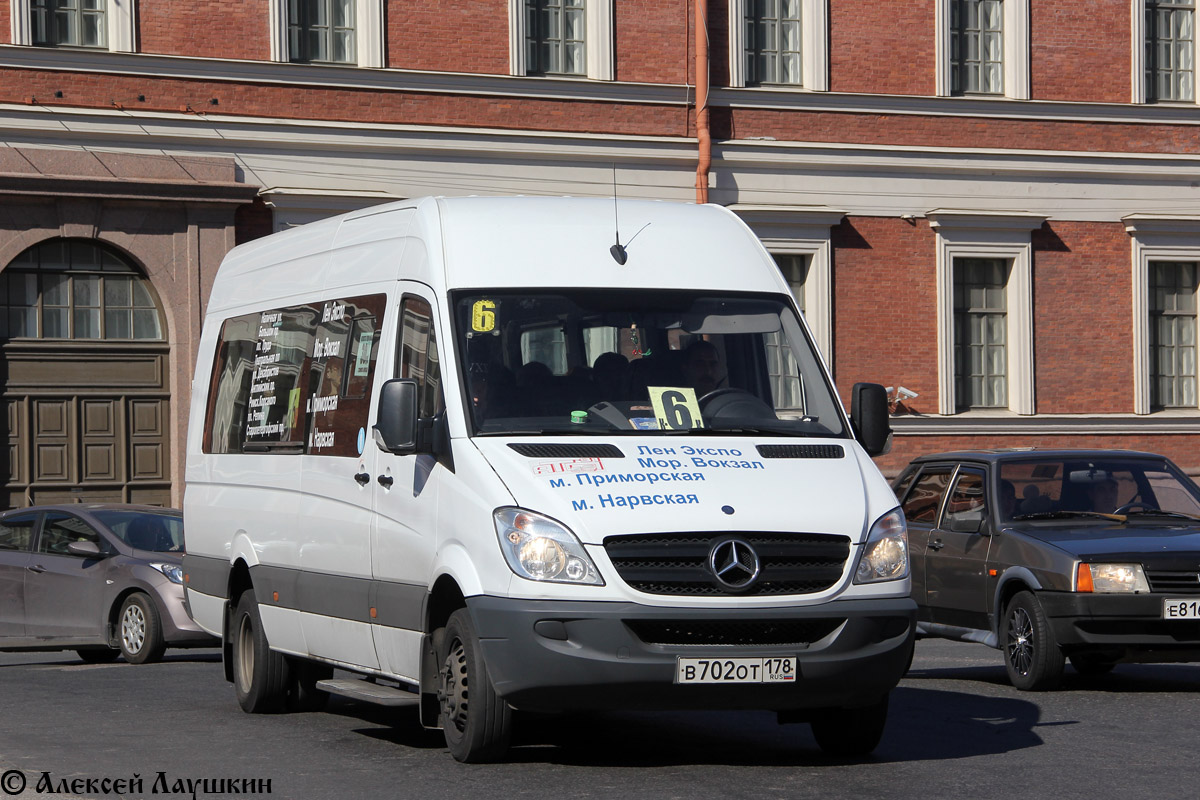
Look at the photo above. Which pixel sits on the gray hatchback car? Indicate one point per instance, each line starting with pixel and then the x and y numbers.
pixel 103 580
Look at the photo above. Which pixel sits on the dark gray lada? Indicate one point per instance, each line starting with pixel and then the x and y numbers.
pixel 1049 555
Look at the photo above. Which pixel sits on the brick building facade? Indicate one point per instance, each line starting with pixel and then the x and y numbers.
pixel 992 203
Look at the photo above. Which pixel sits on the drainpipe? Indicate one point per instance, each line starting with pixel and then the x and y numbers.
pixel 703 139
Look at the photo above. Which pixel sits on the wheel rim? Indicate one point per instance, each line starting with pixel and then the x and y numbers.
pixel 1020 641
pixel 133 628
pixel 245 653
pixel 452 691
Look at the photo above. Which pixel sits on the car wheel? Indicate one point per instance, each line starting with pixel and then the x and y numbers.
pixel 101 655
pixel 476 722
pixel 303 694
pixel 1090 664
pixel 1031 654
pixel 850 732
pixel 139 631
pixel 260 675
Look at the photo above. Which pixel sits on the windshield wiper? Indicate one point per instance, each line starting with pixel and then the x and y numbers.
pixel 1159 512
pixel 1069 514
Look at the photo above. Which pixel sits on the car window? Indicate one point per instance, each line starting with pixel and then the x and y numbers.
pixel 905 480
pixel 926 495
pixel 966 500
pixel 59 530
pixel 15 533
pixel 142 530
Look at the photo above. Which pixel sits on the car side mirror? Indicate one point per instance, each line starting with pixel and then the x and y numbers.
pixel 85 549
pixel 869 416
pixel 395 428
pixel 966 525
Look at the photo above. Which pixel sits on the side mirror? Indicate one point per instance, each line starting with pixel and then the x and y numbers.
pixel 869 416
pixel 396 423
pixel 85 549
pixel 966 525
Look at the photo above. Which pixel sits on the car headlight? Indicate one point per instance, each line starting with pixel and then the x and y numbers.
pixel 885 554
pixel 540 549
pixel 174 572
pixel 1124 578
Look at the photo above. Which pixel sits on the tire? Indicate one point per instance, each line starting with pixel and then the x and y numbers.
pixel 1032 657
pixel 260 675
pixel 850 732
pixel 98 656
pixel 303 694
pixel 476 722
pixel 1090 664
pixel 139 630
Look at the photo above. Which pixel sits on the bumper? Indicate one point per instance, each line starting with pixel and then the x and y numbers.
pixel 1126 627
pixel 177 626
pixel 554 656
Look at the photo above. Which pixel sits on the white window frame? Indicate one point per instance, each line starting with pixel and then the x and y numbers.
pixel 814 45
pixel 984 234
pixel 369 41
pixel 1163 238
pixel 598 39
pixel 1016 49
pixel 1138 59
pixel 792 230
pixel 119 15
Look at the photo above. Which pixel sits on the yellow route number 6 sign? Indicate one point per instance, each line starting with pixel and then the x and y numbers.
pixel 483 316
pixel 676 408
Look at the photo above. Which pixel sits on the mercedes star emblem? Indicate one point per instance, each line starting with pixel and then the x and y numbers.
pixel 734 564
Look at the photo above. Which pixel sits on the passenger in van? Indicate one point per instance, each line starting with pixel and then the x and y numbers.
pixel 702 367
pixel 610 376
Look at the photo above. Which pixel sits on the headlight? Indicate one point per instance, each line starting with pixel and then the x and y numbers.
pixel 174 572
pixel 1124 578
pixel 540 549
pixel 885 555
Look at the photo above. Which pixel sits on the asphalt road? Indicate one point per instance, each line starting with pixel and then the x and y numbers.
pixel 956 730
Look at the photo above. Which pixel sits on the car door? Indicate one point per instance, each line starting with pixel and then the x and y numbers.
pixel 16 536
pixel 956 555
pixel 922 505
pixel 64 593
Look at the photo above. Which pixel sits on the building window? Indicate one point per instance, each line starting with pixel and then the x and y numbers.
pixel 69 23
pixel 321 31
pixel 1172 329
pixel 980 333
pixel 786 387
pixel 1170 42
pixel 977 47
pixel 555 37
pixel 74 289
pixel 794 267
pixel 773 50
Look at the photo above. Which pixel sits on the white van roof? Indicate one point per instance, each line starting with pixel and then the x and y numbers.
pixel 503 242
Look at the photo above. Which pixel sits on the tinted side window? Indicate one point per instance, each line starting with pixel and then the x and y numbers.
pixel 418 356
pixel 926 496
pixel 59 530
pixel 15 534
pixel 966 500
pixel 904 482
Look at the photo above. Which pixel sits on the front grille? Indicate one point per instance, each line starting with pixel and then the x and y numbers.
pixel 1166 581
pixel 801 451
pixel 568 450
pixel 797 633
pixel 677 563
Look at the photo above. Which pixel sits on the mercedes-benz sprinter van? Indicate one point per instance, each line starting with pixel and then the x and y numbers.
pixel 491 458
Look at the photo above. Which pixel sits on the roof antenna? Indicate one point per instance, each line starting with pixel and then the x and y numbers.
pixel 617 250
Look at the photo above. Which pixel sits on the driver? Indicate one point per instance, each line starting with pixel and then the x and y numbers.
pixel 1103 495
pixel 702 367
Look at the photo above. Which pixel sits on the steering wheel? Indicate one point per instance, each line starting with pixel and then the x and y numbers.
pixel 734 404
pixel 715 393
pixel 1125 509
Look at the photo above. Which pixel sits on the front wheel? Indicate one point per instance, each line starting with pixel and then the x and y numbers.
pixel 141 637
pixel 850 732
pixel 476 722
pixel 1031 655
pixel 260 675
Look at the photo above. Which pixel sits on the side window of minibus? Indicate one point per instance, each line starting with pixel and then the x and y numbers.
pixel 417 357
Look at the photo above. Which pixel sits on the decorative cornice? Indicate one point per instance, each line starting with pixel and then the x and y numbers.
pixel 955 220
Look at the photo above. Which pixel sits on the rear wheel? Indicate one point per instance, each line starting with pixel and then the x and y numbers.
pixel 98 656
pixel 260 675
pixel 476 722
pixel 139 630
pixel 850 732
pixel 1031 655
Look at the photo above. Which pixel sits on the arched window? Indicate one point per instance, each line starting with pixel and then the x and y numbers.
pixel 76 289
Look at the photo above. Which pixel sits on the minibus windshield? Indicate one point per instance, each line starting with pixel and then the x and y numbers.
pixel 595 362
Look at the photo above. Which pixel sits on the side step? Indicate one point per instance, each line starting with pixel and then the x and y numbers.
pixel 369 692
